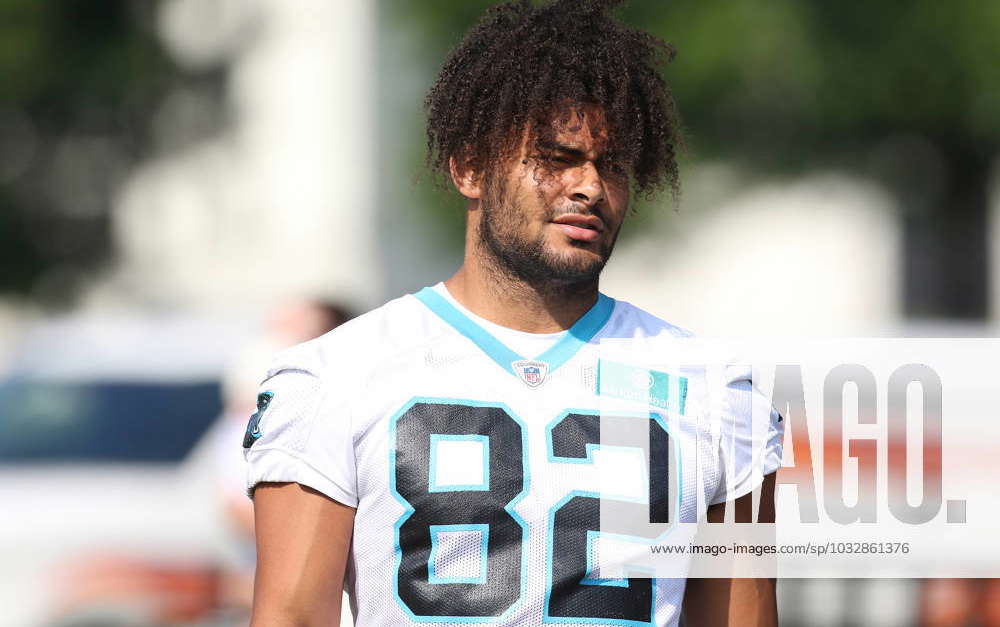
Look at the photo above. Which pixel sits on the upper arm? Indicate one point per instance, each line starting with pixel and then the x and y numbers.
pixel 301 474
pixel 303 539
pixel 724 602
pixel 750 453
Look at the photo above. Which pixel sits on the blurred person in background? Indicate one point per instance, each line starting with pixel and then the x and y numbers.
pixel 115 588
pixel 545 118
pixel 288 325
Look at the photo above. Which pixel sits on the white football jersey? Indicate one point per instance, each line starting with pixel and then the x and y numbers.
pixel 471 454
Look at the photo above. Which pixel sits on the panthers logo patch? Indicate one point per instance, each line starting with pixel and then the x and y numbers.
pixel 253 427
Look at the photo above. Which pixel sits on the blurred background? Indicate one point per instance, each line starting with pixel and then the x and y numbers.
pixel 188 185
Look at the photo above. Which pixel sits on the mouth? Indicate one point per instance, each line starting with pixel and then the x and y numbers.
pixel 580 227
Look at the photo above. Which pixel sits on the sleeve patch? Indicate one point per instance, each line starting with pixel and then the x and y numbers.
pixel 253 427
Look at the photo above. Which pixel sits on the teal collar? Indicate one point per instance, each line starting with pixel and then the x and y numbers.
pixel 578 335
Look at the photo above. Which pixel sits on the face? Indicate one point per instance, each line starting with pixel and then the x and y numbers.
pixel 555 213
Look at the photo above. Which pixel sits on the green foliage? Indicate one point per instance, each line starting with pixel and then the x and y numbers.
pixel 764 77
pixel 905 91
pixel 81 81
pixel 776 80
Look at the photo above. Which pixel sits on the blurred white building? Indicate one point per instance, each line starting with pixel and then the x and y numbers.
pixel 280 203
pixel 819 255
pixel 283 202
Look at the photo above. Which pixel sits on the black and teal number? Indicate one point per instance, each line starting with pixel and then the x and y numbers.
pixel 433 508
pixel 574 595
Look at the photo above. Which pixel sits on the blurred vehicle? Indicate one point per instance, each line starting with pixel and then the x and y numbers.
pixel 111 510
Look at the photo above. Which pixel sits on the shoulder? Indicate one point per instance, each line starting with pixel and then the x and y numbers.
pixel 360 345
pixel 627 320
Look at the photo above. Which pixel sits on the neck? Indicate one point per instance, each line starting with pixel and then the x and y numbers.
pixel 493 293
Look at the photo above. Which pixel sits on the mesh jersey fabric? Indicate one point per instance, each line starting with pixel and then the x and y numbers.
pixel 474 492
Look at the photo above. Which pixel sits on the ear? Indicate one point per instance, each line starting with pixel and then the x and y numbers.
pixel 466 179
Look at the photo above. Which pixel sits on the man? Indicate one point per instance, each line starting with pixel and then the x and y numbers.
pixel 433 454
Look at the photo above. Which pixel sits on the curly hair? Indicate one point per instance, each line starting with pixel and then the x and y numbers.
pixel 522 65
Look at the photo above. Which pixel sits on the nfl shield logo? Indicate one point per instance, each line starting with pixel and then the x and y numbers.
pixel 531 372
pixel 532 375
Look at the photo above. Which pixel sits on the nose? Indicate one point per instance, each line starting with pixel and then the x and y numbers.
pixel 587 186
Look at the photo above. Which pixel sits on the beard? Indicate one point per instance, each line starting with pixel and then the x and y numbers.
pixel 528 260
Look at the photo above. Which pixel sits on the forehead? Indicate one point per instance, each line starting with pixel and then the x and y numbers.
pixel 578 126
